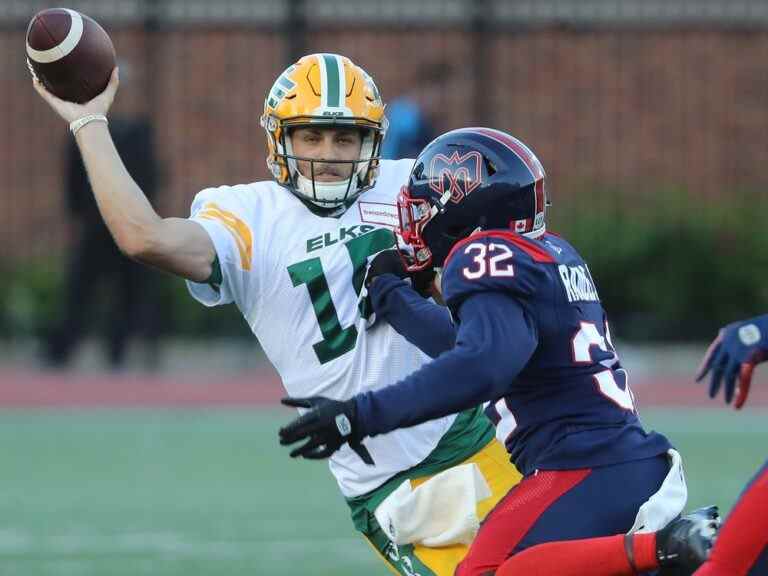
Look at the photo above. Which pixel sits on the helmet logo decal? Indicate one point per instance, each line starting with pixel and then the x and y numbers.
pixel 463 174
pixel 282 86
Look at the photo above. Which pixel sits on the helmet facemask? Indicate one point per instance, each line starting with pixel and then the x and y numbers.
pixel 332 194
pixel 414 215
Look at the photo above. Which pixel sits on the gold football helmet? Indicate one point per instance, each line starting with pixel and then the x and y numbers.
pixel 325 90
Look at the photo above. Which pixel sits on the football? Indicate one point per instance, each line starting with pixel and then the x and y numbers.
pixel 70 54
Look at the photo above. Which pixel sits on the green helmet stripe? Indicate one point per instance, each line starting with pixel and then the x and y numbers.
pixel 342 82
pixel 332 93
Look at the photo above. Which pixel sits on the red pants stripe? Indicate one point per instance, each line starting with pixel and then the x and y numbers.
pixel 513 517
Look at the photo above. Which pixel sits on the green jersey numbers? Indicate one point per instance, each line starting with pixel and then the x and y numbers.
pixel 338 340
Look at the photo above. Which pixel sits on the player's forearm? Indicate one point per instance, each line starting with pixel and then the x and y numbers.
pixel 123 206
pixel 456 381
pixel 423 323
pixel 175 245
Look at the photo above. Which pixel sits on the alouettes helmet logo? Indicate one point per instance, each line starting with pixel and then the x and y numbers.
pixel 459 174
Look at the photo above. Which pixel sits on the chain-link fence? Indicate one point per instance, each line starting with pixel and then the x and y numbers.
pixel 634 107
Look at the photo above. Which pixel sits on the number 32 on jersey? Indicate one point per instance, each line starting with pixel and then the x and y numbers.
pixel 488 259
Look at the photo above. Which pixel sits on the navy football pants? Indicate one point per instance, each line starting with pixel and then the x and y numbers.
pixel 554 505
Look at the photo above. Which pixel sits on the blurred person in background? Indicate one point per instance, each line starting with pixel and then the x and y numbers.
pixel 411 115
pixel 742 545
pixel 292 254
pixel 98 276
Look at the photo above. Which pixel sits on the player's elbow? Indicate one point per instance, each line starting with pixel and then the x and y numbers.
pixel 139 242
pixel 499 365
pixel 498 382
pixel 490 379
pixel 131 246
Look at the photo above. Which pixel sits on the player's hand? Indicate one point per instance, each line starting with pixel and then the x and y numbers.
pixel 70 110
pixel 390 262
pixel 326 427
pixel 732 357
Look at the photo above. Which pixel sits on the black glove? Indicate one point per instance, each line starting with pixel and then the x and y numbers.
pixel 326 427
pixel 390 262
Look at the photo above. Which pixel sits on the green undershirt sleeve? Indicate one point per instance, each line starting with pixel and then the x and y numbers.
pixel 214 280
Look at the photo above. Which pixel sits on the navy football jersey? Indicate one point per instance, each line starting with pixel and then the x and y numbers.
pixel 570 406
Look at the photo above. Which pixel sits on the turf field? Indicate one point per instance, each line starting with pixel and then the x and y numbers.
pixel 201 492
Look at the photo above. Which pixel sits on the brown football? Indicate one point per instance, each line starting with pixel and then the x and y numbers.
pixel 70 54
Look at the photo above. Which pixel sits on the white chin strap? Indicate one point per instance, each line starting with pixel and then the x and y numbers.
pixel 326 194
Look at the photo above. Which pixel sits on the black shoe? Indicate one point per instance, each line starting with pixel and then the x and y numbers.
pixel 684 544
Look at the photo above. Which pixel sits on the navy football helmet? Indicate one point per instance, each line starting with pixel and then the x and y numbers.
pixel 467 180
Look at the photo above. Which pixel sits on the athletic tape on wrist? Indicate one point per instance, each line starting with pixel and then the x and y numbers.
pixel 75 125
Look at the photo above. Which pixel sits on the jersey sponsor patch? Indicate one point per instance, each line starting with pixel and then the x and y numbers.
pixel 379 213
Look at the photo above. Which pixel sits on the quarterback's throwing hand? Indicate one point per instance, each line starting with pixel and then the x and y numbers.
pixel 326 427
pixel 70 111
pixel 732 358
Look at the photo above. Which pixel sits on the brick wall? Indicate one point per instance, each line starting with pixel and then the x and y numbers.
pixel 638 110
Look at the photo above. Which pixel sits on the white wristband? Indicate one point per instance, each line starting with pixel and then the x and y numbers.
pixel 75 125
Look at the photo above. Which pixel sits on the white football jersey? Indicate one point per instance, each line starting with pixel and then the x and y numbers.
pixel 297 279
